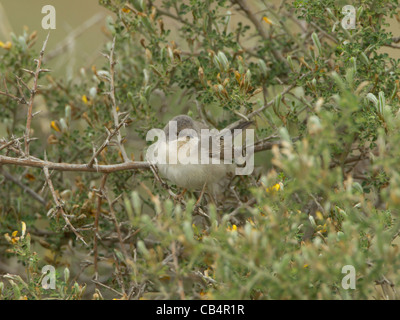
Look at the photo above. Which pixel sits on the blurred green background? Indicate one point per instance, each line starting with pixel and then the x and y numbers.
pixel 79 30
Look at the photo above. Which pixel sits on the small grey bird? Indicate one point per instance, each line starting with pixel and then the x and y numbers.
pixel 193 168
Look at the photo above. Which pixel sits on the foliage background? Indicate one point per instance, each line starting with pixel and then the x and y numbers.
pixel 327 197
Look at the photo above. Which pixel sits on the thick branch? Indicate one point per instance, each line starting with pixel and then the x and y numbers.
pixel 37 163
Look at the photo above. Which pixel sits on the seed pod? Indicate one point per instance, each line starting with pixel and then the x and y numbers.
pixel 163 53
pixel 357 188
pixel 338 80
pixel 142 5
pixel 257 91
pixel 227 20
pixel 66 275
pixel 146 77
pixel 188 231
pixel 353 61
pixel 142 248
pixel 382 102
pixel 290 61
pixel 241 65
pixel 17 291
pixel 68 113
pixel 206 23
pixel 278 101
pixel 330 14
pixel 137 204
pixel 223 61
pixel 317 43
pixel 359 13
pixel 63 124
pixel 371 97
pixel 314 83
pixel 238 76
pixel 23 44
pixel 312 221
pixel 202 77
pixel 131 97
pixel 93 92
pixel 143 100
pixel 263 68
pixel 364 58
pixel 161 24
pixel 248 78
pixel 170 53
pixel 314 125
pixel 147 91
pixel 149 55
pixel 23 229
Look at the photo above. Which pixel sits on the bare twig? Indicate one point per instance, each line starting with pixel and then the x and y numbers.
pixel 33 94
pixel 107 141
pixel 96 226
pixel 59 205
pixel 114 218
pixel 10 143
pixel 107 287
pixel 114 103
pixel 6 93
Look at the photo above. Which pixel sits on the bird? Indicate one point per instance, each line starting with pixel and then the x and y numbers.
pixel 198 155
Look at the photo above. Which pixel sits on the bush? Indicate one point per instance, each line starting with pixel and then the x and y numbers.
pixel 323 197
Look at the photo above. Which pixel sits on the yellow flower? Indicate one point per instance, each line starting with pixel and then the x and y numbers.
pixel 322 228
pixel 126 10
pixel 13 239
pixel 233 228
pixel 268 21
pixel 274 188
pixel 319 215
pixel 6 45
pixel 55 126
pixel 85 99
